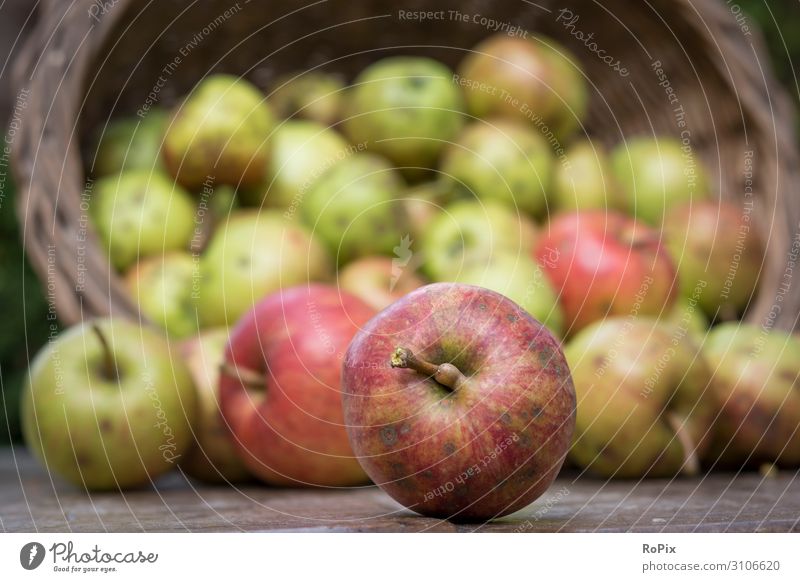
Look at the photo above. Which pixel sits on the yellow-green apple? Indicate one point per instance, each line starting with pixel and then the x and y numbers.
pixel 656 174
pixel 458 403
pixel 162 287
pixel 645 402
pixel 471 232
pixel 107 406
pixel 604 264
pixel 141 214
pixel 503 160
pixel 311 95
pixel 717 249
pixel 280 386
pixel 213 457
pixel 220 130
pixel 251 255
pixel 380 281
pixel 687 316
pixel 406 108
pixel 131 144
pixel 301 152
pixel 519 278
pixel 533 79
pixel 356 208
pixel 757 377
pixel 583 180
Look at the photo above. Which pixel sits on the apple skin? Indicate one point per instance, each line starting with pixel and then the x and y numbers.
pixel 486 449
pixel 140 214
pixel 100 433
pixel 212 458
pixel 708 242
pixel 222 130
pixel 290 429
pixel 379 281
pixel 251 255
pixel 655 175
pixel 301 152
pixel 469 232
pixel 605 264
pixel 406 108
pixel 756 383
pixel 501 160
pixel 583 181
pixel 639 383
pixel 162 287
pixel 131 144
pixel 312 95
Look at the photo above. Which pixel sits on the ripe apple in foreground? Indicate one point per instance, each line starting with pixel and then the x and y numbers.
pixel 212 458
pixel 605 264
pixel 380 281
pixel 106 407
pixel 280 386
pixel 458 403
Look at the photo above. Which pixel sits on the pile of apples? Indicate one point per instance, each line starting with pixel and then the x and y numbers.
pixel 261 233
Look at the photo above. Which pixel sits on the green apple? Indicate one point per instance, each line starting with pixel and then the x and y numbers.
pixel 221 130
pixel 213 457
pixel 471 232
pixel 502 160
pixel 107 407
pixel 141 214
pixel 162 286
pixel 689 318
pixel 356 208
pixel 656 175
pixel 251 255
pixel 406 108
pixel 519 278
pixel 301 152
pixel 380 281
pixel 131 144
pixel 313 95
pixel 583 180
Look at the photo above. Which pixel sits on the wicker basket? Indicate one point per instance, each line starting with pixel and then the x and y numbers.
pixel 104 57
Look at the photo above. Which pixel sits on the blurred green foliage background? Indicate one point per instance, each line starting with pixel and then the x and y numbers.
pixel 24 326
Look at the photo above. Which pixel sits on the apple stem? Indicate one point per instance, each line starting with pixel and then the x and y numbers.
pixel 445 374
pixel 691 464
pixel 109 362
pixel 249 378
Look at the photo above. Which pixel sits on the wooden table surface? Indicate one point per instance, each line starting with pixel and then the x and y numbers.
pixel 29 501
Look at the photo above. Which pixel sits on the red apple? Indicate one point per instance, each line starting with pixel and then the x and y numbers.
pixel 458 403
pixel 280 386
pixel 606 264
pixel 380 281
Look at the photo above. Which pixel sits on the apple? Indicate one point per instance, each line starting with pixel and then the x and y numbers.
pixel 645 402
pixel 131 144
pixel 380 281
pixel 458 403
pixel 106 406
pixel 220 130
pixel 301 152
pixel 140 214
pixel 687 316
pixel 718 251
pixel 604 264
pixel 423 202
pixel 519 278
pixel 162 287
pixel 311 95
pixel 406 108
pixel 583 181
pixel 469 232
pixel 533 79
pixel 656 174
pixel 355 208
pixel 251 255
pixel 502 160
pixel 280 386
pixel 213 457
pixel 757 372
